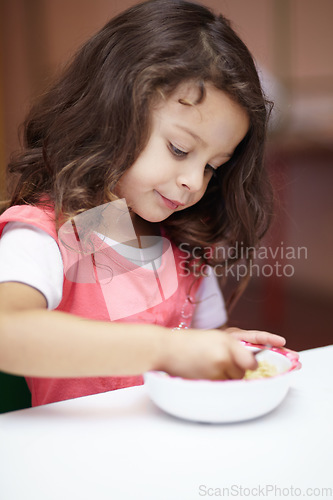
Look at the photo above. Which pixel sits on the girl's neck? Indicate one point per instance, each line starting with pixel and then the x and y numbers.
pixel 144 228
pixel 128 228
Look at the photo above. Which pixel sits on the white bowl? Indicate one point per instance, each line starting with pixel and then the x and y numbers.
pixel 224 401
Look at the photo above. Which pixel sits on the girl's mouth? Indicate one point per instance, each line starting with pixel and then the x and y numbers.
pixel 172 204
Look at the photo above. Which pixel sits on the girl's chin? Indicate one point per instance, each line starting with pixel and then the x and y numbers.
pixel 150 219
pixel 158 217
pixel 155 220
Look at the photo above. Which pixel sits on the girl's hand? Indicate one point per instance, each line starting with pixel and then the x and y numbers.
pixel 257 337
pixel 209 354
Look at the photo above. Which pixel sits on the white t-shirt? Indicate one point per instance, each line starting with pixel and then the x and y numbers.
pixel 31 256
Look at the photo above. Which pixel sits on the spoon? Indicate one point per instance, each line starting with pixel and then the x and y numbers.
pixel 264 348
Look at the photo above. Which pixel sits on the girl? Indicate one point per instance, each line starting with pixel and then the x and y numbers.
pixel 151 139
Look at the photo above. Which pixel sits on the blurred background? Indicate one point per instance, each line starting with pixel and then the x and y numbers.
pixel 291 290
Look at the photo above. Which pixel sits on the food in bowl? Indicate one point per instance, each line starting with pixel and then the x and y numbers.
pixel 225 401
pixel 264 370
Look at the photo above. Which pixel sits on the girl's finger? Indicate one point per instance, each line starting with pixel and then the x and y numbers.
pixel 257 337
pixel 233 372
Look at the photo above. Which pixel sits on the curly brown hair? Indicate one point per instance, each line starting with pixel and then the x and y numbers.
pixel 94 122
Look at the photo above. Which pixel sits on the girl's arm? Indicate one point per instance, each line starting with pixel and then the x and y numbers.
pixel 38 342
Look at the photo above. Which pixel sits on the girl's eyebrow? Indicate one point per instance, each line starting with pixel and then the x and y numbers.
pixel 197 138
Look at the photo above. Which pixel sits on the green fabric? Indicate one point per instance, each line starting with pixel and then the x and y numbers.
pixel 14 393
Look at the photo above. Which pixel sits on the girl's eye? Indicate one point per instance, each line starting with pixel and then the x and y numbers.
pixel 177 152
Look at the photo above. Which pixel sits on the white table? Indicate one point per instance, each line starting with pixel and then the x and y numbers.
pixel 118 445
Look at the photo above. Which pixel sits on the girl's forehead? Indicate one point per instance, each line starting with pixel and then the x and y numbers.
pixel 187 92
pixel 188 101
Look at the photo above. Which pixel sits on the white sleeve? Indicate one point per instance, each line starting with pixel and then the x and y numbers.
pixel 31 256
pixel 210 311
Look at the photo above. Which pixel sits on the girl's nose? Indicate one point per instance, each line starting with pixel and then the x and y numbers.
pixel 192 178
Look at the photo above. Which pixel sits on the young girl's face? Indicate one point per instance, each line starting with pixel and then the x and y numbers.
pixel 188 143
